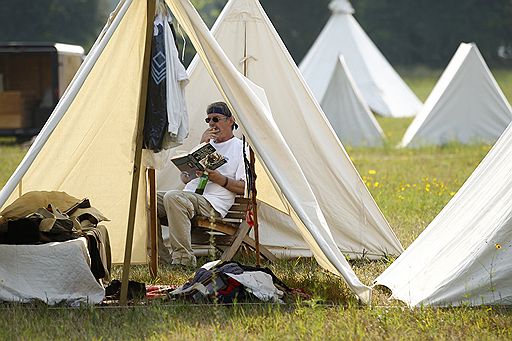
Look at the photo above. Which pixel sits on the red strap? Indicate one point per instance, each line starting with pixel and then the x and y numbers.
pixel 249 217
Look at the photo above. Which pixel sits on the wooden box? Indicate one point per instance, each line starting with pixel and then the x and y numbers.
pixel 15 109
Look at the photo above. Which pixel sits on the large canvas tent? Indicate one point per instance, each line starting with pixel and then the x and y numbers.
pixel 466 105
pixel 356 224
pixel 463 256
pixel 382 88
pixel 90 147
pixel 347 111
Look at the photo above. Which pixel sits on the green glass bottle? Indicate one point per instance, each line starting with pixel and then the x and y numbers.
pixel 203 180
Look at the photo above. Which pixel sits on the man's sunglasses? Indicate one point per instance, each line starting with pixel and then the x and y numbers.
pixel 214 119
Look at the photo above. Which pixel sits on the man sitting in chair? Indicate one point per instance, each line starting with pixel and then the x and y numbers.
pixel 180 206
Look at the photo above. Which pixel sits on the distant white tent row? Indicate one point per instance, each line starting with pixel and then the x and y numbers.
pixel 382 88
pixel 90 146
pixel 463 256
pixel 466 105
pixel 347 111
pixel 356 224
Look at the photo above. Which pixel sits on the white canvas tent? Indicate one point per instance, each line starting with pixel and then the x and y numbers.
pixel 347 111
pixel 382 88
pixel 463 256
pixel 356 224
pixel 466 105
pixel 88 147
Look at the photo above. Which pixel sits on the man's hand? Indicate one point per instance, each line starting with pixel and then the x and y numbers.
pixel 185 177
pixel 235 186
pixel 210 134
pixel 215 176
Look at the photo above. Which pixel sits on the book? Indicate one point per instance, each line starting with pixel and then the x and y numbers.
pixel 198 159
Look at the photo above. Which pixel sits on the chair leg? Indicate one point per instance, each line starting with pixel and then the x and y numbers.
pixel 263 250
pixel 230 252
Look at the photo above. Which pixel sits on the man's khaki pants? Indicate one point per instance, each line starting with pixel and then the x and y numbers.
pixel 180 207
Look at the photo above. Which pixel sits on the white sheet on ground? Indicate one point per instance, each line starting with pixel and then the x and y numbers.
pixel 52 273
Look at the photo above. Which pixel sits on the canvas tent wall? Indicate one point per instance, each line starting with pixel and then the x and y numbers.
pixel 352 216
pixel 466 105
pixel 382 88
pixel 463 256
pixel 87 147
pixel 347 111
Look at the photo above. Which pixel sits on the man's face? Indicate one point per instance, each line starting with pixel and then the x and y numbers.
pixel 220 125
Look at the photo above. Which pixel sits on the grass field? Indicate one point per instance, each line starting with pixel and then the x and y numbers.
pixel 410 187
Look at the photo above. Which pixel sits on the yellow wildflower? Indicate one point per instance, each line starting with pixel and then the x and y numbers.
pixel 372 171
pixel 376 184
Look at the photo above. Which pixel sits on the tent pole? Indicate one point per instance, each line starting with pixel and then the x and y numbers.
pixel 253 193
pixel 150 13
pixel 153 233
pixel 254 206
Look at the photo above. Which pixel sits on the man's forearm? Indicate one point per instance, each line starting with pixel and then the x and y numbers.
pixel 235 186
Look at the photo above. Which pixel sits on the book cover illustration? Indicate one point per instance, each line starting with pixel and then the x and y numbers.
pixel 198 159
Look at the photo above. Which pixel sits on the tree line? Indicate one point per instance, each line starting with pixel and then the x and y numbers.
pixel 419 32
pixel 408 33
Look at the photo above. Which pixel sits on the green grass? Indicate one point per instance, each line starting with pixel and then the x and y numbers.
pixel 10 156
pixel 410 187
pixel 262 322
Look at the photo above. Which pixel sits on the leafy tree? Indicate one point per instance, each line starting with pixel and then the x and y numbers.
pixel 70 21
pixel 407 32
pixel 298 22
pixel 209 11
pixel 428 32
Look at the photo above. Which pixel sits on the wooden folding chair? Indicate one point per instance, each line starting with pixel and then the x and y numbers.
pixel 227 233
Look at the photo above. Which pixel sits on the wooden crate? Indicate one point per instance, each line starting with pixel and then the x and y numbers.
pixel 11 121
pixel 15 109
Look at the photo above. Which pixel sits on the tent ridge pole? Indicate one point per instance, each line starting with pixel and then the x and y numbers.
pixel 252 186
